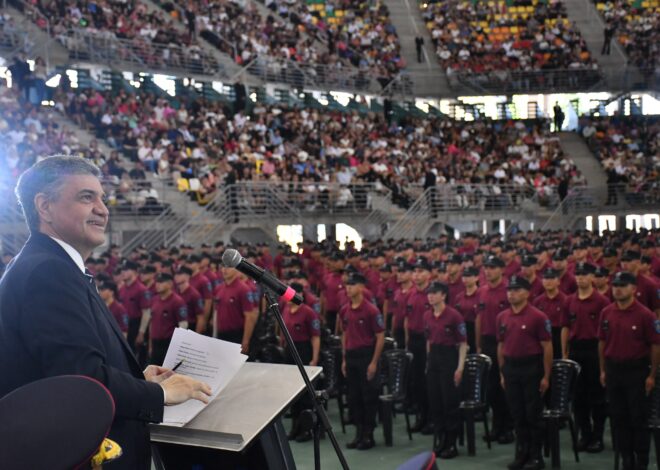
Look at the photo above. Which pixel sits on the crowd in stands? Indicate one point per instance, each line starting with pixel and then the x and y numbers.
pixel 636 23
pixel 629 150
pixel 501 40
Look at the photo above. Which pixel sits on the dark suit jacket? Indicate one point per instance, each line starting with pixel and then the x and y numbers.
pixel 53 322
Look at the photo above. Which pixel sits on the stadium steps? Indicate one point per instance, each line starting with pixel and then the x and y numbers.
pixel 591 26
pixel 428 77
pixel 39 43
pixel 575 147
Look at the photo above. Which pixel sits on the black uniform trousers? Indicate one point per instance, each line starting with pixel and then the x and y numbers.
pixel 471 338
pixel 417 346
pixel 362 393
pixel 331 320
pixel 444 396
pixel 590 406
pixel 399 335
pixel 159 349
pixel 305 352
pixel 556 342
pixel 522 377
pixel 497 401
pixel 233 336
pixel 628 406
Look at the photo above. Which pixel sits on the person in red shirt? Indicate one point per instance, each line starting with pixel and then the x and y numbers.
pixel 387 286
pixel 446 346
pixel 108 292
pixel 579 340
pixel 629 342
pixel 610 259
pixel 168 311
pixel 528 266
pixel 511 265
pixel 647 289
pixel 331 285
pixel 136 299
pixel 191 296
pixel 566 280
pixel 454 279
pixel 524 354
pixel 552 302
pixel 602 282
pixel 493 300
pixel 204 287
pixel 399 304
pixel 467 304
pixel 363 337
pixel 236 311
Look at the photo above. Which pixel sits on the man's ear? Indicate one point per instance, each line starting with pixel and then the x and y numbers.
pixel 42 206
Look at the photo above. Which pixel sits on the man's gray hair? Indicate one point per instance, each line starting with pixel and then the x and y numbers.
pixel 47 177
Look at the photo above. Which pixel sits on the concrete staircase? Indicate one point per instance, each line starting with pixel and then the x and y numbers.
pixel 428 77
pixel 577 149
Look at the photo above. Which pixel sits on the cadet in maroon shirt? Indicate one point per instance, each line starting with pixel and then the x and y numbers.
pixel 400 303
pixel 467 304
pixel 363 338
pixel 418 303
pixel 108 292
pixel 629 339
pixel 528 266
pixel 601 282
pixel 454 279
pixel 168 311
pixel 446 345
pixel 647 292
pixel 524 353
pixel 331 285
pixel 304 326
pixel 511 265
pixel 204 287
pixel 136 299
pixel 553 303
pixel 566 280
pixel 580 344
pixel 385 293
pixel 191 296
pixel 492 301
pixel 235 309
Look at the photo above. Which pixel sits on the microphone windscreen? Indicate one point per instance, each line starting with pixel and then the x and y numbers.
pixel 231 258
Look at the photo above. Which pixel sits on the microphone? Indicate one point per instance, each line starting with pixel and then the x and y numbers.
pixel 233 259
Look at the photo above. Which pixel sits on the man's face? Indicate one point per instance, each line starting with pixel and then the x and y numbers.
pixel 435 298
pixel 493 273
pixel 630 265
pixel 550 283
pixel 453 269
pixel 469 281
pixel 517 297
pixel 146 278
pixel 528 271
pixel 353 290
pixel 623 293
pixel 229 274
pixel 78 216
pixel 559 264
pixel 583 281
pixel 181 280
pixel 600 282
pixel 421 276
pixel 106 294
pixel 163 287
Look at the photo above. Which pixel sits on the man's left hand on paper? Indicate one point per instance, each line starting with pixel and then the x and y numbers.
pixel 157 374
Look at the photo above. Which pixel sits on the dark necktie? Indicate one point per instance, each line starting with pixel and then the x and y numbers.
pixel 90 278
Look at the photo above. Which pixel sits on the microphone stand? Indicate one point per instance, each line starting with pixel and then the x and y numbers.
pixel 321 422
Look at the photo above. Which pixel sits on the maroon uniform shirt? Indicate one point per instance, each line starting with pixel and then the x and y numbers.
pixel 492 301
pixel 536 289
pixel 447 329
pixel 214 278
pixel 120 315
pixel 361 324
pixel 166 315
pixel 554 309
pixel 628 333
pixel 418 303
pixel 203 285
pixel 331 285
pixel 194 303
pixel 231 303
pixel 135 298
pixel 468 305
pixel 567 284
pixel 583 316
pixel 521 334
pixel 648 292
pixel 399 307
pixel 303 324
pixel 455 289
pixel 373 279
pixel 510 269
pixel 386 291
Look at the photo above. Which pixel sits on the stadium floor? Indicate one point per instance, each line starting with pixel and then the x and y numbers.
pixel 387 458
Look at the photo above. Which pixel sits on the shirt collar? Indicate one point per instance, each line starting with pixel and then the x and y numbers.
pixel 72 252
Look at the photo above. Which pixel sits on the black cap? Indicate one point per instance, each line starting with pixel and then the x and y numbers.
pixel 184 270
pixel 404 266
pixel 560 255
pixel 470 271
pixel 129 265
pixel 550 273
pixel 493 262
pixel 624 278
pixel 79 411
pixel 610 252
pixel 647 244
pixel 601 272
pixel 163 277
pixel 630 255
pixel 386 268
pixel 148 269
pixel 597 242
pixel 436 287
pixel 439 265
pixel 583 245
pixel 454 258
pixel 356 278
pixel 422 263
pixel 529 261
pixel 194 258
pixel 518 282
pixel 583 269
pixel 337 256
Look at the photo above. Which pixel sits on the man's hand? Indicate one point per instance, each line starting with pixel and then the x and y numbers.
pixel 179 388
pixel 371 370
pixel 314 363
pixel 157 374
pixel 458 376
pixel 245 347
pixel 139 339
pixel 603 380
pixel 343 367
pixel 650 384
pixel 201 326
pixel 544 385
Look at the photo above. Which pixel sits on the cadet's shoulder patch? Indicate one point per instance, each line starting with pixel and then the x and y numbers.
pixel 316 324
pixel 548 326
pixel 461 329
pixel 656 323
pixel 183 311
pixel 379 320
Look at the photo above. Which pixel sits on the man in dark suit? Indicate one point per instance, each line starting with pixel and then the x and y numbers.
pixel 52 319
